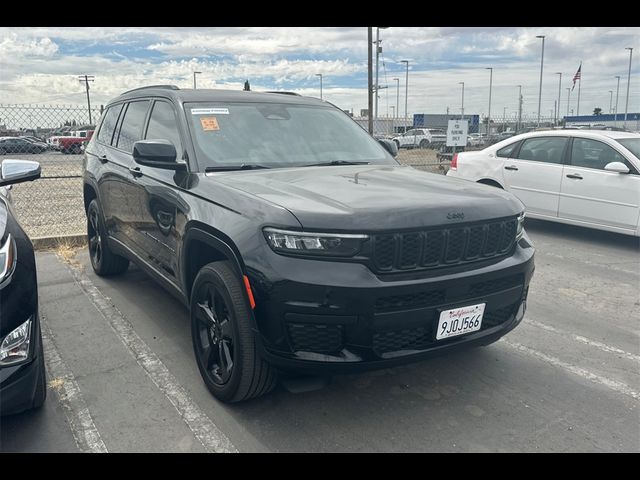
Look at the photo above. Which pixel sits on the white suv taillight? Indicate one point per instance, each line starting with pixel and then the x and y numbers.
pixel 454 162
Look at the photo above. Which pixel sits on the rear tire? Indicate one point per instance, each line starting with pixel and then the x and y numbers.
pixel 224 342
pixel 103 260
pixel 424 143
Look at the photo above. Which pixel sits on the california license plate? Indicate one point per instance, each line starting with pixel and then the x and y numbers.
pixel 459 321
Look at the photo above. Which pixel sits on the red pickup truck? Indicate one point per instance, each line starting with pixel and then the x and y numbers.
pixel 73 143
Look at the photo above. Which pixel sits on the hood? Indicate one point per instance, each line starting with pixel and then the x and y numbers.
pixel 373 197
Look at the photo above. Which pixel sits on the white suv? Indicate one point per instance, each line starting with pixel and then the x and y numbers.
pixel 416 137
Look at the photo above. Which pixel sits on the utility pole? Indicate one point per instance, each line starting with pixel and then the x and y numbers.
pixel 406 92
pixel 617 94
pixel 370 78
pixel 568 98
pixel 559 90
pixel 541 67
pixel 626 106
pixel 462 109
pixel 519 108
pixel 610 101
pixel 86 79
pixel 579 85
pixel 490 85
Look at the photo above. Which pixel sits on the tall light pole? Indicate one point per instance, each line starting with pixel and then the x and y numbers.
pixel 626 106
pixel 490 85
pixel 568 97
pixel 320 75
pixel 559 90
pixel 519 108
pixel 397 80
pixel 541 67
pixel 370 79
pixel 406 92
pixel 617 93
pixel 89 78
pixel 194 79
pixel 610 101
pixel 462 109
pixel 378 50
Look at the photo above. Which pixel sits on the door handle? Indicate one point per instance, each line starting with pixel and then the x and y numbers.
pixel 135 171
pixel 575 176
pixel 511 167
pixel 103 159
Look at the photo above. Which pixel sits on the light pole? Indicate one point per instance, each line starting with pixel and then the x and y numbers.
pixel 406 92
pixel 626 106
pixel 617 93
pixel 519 108
pixel 462 109
pixel 397 80
pixel 490 85
pixel 89 78
pixel 320 75
pixel 378 50
pixel 559 90
pixel 541 67
pixel 568 97
pixel 370 80
pixel 610 101
pixel 194 79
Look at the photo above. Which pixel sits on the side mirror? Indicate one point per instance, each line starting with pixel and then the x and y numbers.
pixel 617 167
pixel 18 171
pixel 158 154
pixel 389 145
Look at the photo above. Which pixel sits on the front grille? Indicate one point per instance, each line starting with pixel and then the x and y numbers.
pixel 309 337
pixel 443 247
pixel 408 339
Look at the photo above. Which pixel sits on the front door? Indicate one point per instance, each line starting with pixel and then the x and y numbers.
pixel 589 193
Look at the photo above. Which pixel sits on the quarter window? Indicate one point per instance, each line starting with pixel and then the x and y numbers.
pixel 593 154
pixel 543 149
pixel 109 124
pixel 131 129
pixel 506 152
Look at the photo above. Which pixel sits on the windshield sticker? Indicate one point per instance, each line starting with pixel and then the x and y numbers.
pixel 209 111
pixel 209 124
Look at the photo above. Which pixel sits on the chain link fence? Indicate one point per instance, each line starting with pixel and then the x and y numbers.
pixel 51 135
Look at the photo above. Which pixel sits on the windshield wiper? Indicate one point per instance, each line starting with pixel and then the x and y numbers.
pixel 230 168
pixel 336 162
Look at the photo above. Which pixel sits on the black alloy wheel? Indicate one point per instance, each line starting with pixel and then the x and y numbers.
pixel 103 260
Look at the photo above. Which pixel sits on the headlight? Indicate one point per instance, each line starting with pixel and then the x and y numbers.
pixel 520 229
pixel 15 346
pixel 7 258
pixel 326 244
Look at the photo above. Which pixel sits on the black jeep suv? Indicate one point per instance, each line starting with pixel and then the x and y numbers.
pixel 295 239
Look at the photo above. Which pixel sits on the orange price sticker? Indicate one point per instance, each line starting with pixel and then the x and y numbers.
pixel 209 124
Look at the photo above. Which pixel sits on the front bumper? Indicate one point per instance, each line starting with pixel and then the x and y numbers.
pixel 320 316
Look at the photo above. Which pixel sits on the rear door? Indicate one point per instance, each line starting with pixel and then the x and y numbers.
pixel 534 173
pixel 589 193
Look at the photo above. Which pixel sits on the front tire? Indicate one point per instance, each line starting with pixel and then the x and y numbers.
pixel 424 143
pixel 103 260
pixel 223 339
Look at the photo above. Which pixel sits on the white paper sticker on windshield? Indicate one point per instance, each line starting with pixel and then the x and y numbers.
pixel 209 111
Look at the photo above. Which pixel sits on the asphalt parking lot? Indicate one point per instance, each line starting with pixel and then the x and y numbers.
pixel 122 376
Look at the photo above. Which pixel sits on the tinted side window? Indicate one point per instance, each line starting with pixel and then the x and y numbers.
pixel 507 151
pixel 543 149
pixel 593 154
pixel 109 124
pixel 131 129
pixel 162 125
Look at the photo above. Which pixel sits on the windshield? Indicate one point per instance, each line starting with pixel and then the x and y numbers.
pixel 278 135
pixel 631 144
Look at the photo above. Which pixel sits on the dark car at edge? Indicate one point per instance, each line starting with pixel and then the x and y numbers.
pixel 296 241
pixel 22 370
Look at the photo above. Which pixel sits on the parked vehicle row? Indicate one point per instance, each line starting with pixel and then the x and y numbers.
pixel 9 145
pixel 580 177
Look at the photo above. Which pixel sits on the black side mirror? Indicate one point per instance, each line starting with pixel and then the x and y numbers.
pixel 158 154
pixel 389 145
pixel 18 171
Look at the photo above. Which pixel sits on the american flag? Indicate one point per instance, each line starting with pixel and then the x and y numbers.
pixel 576 77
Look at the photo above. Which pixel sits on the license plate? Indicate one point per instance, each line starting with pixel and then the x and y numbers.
pixel 459 321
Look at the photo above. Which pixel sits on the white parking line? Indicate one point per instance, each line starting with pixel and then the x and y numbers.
pixel 212 439
pixel 579 338
pixel 581 372
pixel 85 433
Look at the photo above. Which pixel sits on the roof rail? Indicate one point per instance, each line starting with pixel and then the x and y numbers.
pixel 167 87
pixel 286 93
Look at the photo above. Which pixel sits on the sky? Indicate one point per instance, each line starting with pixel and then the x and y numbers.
pixel 41 64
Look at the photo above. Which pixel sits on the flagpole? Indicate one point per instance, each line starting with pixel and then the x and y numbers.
pixel 579 84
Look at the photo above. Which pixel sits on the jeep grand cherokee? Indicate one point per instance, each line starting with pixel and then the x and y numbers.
pixel 297 242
